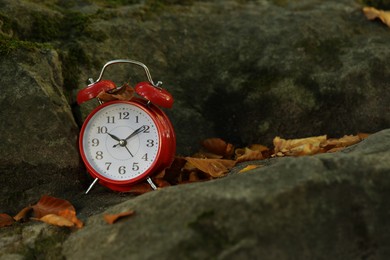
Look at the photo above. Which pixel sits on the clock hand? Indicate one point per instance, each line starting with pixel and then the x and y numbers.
pixel 129 151
pixel 123 142
pixel 139 130
pixel 114 137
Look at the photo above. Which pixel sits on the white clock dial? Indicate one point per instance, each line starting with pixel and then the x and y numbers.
pixel 121 142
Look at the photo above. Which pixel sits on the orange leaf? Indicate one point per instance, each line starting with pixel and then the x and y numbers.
pixel 71 216
pixel 112 218
pixel 140 188
pixel 23 213
pixel 123 93
pixel 218 146
pixel 51 205
pixel 250 155
pixel 6 220
pixel 250 167
pixel 161 183
pixel 298 147
pixel 213 167
pixel 372 13
pixel 56 220
pixel 363 136
pixel 344 141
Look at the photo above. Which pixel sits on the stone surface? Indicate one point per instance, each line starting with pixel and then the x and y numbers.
pixel 327 206
pixel 38 133
pixel 245 71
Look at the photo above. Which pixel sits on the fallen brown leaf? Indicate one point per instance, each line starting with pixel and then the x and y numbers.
pixel 250 167
pixel 123 93
pixel 249 155
pixel 372 13
pixel 23 213
pixel 213 167
pixel 112 218
pixel 51 205
pixel 219 147
pixel 71 216
pixel 56 220
pixel 6 220
pixel 299 147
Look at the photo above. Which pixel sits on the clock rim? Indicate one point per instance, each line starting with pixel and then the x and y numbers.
pixel 120 185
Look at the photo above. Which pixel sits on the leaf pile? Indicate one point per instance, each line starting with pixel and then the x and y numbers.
pixel 217 157
pixel 48 209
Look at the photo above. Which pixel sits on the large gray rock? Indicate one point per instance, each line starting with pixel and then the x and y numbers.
pixel 249 71
pixel 38 133
pixel 329 206
pixel 241 70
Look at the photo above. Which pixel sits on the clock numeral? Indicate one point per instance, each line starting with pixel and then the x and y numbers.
pixel 95 142
pixel 102 130
pixel 147 129
pixel 124 115
pixel 99 155
pixel 135 167
pixel 136 119
pixel 108 165
pixel 150 143
pixel 145 157
pixel 111 120
pixel 122 170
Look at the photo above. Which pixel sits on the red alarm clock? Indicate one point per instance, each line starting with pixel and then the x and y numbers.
pixel 124 142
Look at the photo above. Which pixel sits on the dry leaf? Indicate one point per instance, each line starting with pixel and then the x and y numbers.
pixel 250 167
pixel 372 13
pixel 6 220
pixel 363 136
pixel 23 213
pixel 56 220
pixel 213 167
pixel 250 155
pixel 218 146
pixel 299 147
pixel 344 141
pixel 161 183
pixel 112 218
pixel 123 93
pixel 71 216
pixel 140 188
pixel 51 205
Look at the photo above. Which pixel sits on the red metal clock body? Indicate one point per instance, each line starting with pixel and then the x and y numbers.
pixel 124 142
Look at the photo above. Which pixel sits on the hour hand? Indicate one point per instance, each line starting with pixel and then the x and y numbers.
pixel 114 137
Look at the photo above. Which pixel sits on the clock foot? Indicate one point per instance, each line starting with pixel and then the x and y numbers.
pixel 151 183
pixel 92 184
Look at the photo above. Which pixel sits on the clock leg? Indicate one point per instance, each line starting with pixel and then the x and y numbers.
pixel 92 184
pixel 151 183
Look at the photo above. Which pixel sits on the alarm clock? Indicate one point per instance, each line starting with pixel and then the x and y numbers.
pixel 123 142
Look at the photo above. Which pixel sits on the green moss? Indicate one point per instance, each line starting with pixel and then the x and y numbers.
pixel 7 24
pixel 7 46
pixel 45 28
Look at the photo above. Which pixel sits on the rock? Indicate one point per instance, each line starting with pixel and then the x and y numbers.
pixel 332 205
pixel 38 141
pixel 244 71
pixel 248 72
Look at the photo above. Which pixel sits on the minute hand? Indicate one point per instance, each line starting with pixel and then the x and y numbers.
pixel 139 130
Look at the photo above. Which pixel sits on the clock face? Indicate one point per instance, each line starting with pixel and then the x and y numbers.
pixel 120 141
